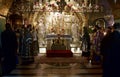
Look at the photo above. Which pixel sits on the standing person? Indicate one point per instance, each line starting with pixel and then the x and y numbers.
pixel 9 47
pixel 98 36
pixel 110 49
pixel 85 43
pixel 26 40
pixel 35 44
pixel 0 60
pixel 108 31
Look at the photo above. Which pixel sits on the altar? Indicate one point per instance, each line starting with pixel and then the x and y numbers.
pixel 58 46
pixel 62 39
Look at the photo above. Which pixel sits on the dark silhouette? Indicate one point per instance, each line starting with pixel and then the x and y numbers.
pixel 108 31
pixel 9 48
pixel 0 60
pixel 0 53
pixel 98 36
pixel 110 49
pixel 85 43
pixel 35 44
pixel 25 45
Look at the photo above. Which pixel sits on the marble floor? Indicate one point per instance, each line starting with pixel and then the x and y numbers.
pixel 57 67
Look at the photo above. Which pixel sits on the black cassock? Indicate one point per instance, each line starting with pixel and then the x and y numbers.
pixel 26 41
pixel 9 50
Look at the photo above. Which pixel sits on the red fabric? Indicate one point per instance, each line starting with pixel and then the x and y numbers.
pixel 59 53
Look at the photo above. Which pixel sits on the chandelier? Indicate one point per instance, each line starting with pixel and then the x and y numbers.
pixel 60 5
pixel 87 6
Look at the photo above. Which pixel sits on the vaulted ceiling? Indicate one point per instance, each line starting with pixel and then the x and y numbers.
pixel 6 4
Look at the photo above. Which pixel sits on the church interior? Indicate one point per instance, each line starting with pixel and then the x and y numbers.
pixel 57 27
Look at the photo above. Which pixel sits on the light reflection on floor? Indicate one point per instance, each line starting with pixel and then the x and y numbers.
pixel 38 69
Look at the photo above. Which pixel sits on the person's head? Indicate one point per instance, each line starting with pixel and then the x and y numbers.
pixel 8 26
pixel 97 27
pixel 85 29
pixel 116 26
pixel 108 30
pixel 29 27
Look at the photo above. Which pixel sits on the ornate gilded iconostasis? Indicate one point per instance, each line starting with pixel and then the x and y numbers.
pixel 66 17
pixel 52 17
pixel 33 9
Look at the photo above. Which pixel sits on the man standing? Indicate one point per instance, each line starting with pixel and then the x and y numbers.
pixel 110 49
pixel 9 47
